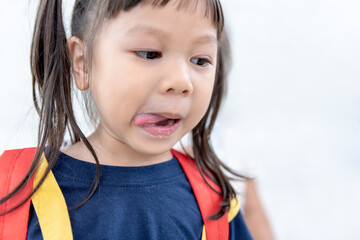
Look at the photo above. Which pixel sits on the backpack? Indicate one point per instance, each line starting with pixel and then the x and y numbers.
pixel 53 216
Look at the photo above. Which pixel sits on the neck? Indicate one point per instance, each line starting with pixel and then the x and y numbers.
pixel 111 151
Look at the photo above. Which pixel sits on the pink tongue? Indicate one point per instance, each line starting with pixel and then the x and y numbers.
pixel 148 118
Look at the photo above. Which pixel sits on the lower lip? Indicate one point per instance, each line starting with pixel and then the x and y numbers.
pixel 163 131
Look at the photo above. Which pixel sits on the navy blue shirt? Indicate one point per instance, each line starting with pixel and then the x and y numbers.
pixel 148 202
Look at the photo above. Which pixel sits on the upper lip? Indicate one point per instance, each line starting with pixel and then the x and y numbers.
pixel 169 115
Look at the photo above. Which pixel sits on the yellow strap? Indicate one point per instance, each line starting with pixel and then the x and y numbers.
pixel 50 206
pixel 203 237
pixel 234 209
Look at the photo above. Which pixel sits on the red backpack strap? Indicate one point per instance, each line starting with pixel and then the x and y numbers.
pixel 208 200
pixel 13 166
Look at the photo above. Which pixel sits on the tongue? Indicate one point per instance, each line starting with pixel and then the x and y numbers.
pixel 148 118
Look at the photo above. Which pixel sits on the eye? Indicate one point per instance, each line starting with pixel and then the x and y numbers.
pixel 148 54
pixel 202 62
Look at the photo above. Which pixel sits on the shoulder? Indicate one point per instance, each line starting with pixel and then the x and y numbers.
pixel 18 152
pixel 14 165
pixel 17 156
pixel 237 226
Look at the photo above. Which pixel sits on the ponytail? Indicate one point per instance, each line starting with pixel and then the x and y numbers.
pixel 51 83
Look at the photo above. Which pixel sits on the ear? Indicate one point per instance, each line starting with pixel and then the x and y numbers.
pixel 77 52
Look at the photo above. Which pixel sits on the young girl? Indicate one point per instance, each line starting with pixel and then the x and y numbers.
pixel 152 71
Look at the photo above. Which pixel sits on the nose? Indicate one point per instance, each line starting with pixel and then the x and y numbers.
pixel 177 79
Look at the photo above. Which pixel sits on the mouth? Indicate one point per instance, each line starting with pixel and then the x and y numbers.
pixel 158 124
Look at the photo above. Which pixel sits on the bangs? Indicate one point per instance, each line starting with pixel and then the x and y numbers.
pixel 88 15
pixel 212 9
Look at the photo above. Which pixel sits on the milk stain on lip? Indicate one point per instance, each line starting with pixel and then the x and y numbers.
pixel 159 125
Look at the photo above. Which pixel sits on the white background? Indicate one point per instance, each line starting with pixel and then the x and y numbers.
pixel 292 115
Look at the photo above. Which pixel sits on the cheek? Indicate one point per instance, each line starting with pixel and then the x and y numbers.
pixel 202 97
pixel 118 88
pixel 206 86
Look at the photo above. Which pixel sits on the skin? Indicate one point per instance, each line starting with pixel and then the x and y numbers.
pixel 254 214
pixel 146 60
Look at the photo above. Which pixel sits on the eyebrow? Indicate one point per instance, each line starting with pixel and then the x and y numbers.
pixel 146 29
pixel 207 38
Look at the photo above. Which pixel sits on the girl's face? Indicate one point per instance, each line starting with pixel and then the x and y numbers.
pixel 152 77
